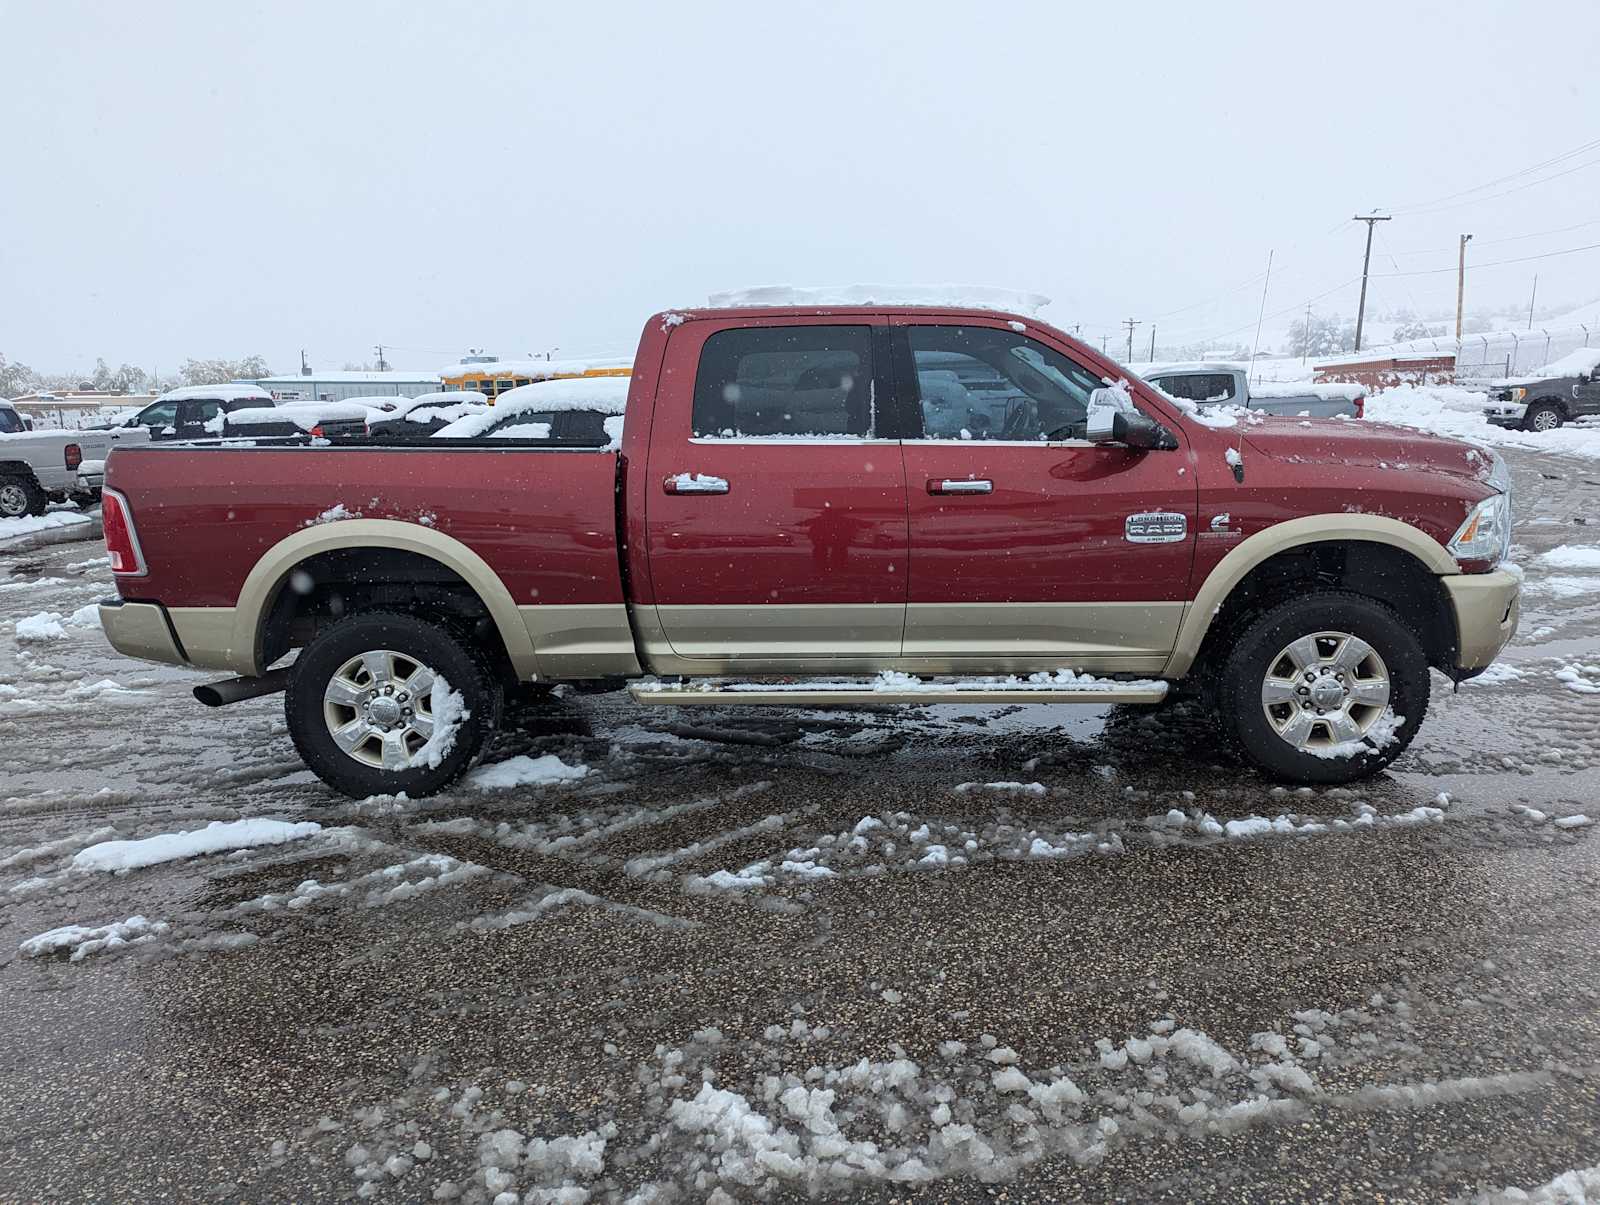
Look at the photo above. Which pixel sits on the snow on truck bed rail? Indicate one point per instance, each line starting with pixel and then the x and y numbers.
pixel 962 297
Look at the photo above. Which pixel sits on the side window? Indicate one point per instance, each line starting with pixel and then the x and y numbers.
pixel 1197 387
pixel 160 416
pixel 979 382
pixel 197 414
pixel 777 381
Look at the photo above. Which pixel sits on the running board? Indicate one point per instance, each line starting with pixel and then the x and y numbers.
pixel 730 693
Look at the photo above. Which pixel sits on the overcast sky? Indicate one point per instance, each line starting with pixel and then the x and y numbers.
pixel 219 179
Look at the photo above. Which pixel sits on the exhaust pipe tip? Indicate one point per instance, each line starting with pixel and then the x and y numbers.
pixel 236 690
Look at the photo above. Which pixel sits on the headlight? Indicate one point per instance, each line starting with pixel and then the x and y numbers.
pixel 1486 534
pixel 1518 394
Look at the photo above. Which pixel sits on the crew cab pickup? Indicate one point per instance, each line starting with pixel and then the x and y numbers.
pixel 36 467
pixel 816 504
pixel 1229 385
pixel 1560 392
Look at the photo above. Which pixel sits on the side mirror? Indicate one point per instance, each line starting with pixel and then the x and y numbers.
pixel 1105 405
pixel 1139 430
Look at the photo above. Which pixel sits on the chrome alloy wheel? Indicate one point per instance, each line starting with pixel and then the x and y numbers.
pixel 13 500
pixel 379 708
pixel 1325 689
pixel 1546 420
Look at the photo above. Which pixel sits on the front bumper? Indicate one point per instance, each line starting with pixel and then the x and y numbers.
pixel 1487 607
pixel 141 630
pixel 1506 414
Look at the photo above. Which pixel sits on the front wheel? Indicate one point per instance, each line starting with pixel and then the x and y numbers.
pixel 1324 689
pixel 1543 417
pixel 381 703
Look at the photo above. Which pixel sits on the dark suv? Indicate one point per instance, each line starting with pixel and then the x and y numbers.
pixel 184 413
pixel 1567 389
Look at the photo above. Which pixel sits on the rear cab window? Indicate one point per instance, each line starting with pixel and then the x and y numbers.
pixel 786 382
pixel 1215 388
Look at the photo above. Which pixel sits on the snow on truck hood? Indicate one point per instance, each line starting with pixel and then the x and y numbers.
pixel 1368 444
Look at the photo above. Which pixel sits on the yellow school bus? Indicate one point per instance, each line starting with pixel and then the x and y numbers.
pixel 492 377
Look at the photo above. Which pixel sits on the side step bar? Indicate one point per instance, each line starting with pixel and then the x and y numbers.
pixel 729 693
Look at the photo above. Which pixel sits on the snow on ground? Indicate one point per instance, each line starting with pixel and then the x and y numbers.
pixel 524 771
pixel 1578 1187
pixel 1458 412
pixel 170 847
pixel 28 524
pixel 83 941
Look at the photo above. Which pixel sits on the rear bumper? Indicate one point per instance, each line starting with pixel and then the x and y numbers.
pixel 1487 607
pixel 141 630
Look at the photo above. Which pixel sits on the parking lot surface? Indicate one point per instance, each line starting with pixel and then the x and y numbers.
pixel 947 953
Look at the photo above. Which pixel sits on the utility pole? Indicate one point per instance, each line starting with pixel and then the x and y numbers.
pixel 1461 284
pixel 305 365
pixel 1103 339
pixel 1130 324
pixel 382 367
pixel 1530 300
pixel 1361 309
pixel 1152 343
pixel 1305 334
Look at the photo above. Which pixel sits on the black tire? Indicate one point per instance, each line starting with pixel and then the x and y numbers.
pixel 20 494
pixel 1256 651
pixel 428 645
pixel 1547 412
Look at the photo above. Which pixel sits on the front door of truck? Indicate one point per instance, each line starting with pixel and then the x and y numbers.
pixel 1031 547
pixel 776 500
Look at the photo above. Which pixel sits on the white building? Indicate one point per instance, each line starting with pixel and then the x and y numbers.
pixel 337 386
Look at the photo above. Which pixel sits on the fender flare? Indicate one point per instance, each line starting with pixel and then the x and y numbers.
pixel 273 568
pixel 1285 537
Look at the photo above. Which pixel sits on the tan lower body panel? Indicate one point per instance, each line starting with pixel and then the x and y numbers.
pixel 582 641
pixel 207 636
pixel 865 696
pixel 140 630
pixel 925 638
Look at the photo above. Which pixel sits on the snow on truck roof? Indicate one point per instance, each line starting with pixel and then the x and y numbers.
pixel 220 393
pixel 1584 360
pixel 957 297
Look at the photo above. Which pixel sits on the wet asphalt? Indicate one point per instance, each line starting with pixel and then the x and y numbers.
pixel 1442 968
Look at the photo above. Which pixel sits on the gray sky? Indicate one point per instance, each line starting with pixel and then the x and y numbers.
pixel 204 179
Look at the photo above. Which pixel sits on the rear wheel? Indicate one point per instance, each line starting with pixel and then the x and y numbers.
pixel 21 495
pixel 1324 689
pixel 382 703
pixel 1543 416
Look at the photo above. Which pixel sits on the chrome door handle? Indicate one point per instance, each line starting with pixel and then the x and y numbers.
pixel 960 485
pixel 696 483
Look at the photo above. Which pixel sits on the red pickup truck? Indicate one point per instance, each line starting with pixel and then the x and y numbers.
pixel 819 505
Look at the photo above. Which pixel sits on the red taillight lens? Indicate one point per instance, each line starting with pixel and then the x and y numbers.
pixel 1361 407
pixel 74 456
pixel 316 432
pixel 121 543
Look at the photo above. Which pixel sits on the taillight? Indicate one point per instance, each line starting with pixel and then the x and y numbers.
pixel 121 542
pixel 74 456
pixel 1361 407
pixel 316 432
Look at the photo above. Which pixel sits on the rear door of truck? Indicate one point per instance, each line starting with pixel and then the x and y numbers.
pixel 1030 544
pixel 775 503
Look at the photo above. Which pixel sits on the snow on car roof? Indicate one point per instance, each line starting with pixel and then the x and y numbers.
pixel 1584 360
pixel 536 370
pixel 962 297
pixel 220 393
pixel 608 395
pixel 304 415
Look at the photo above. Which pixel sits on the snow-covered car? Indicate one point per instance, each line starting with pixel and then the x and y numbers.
pixel 316 419
pixel 183 413
pixel 1219 384
pixel 582 412
pixel 419 417
pixel 1563 390
pixel 36 467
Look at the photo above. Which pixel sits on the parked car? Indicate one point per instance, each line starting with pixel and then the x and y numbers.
pixel 36 467
pixel 1229 385
pixel 583 412
pixel 315 419
pixel 418 418
pixel 790 520
pixel 1566 389
pixel 181 413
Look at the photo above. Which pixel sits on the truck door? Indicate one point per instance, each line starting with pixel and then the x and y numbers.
pixel 1032 548
pixel 775 503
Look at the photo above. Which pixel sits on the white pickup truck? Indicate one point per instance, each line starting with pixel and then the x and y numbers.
pixel 1223 384
pixel 36 467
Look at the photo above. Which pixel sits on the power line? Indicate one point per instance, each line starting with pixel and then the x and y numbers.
pixel 1495 263
pixel 1510 238
pixel 1506 193
pixel 1540 166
